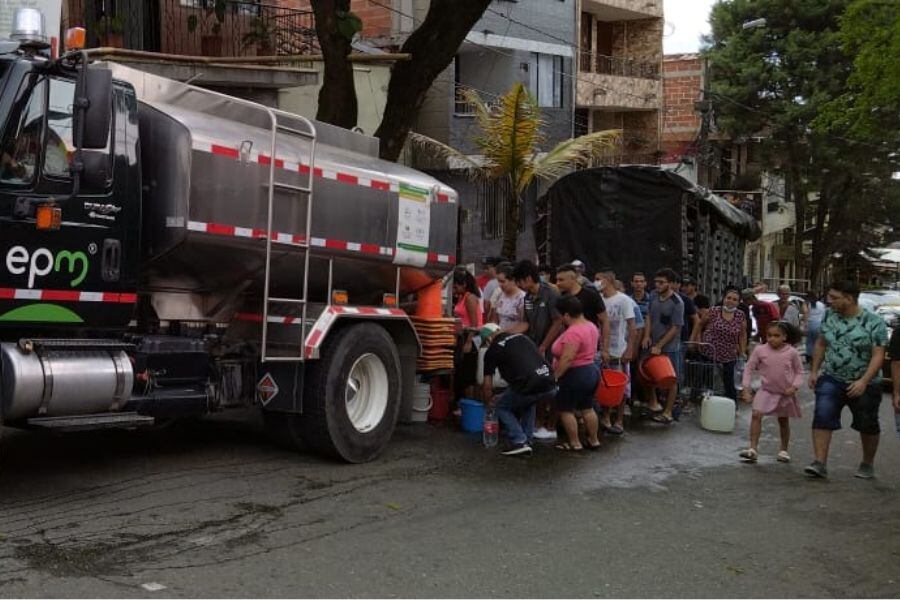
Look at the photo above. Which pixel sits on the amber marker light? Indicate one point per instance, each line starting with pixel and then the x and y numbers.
pixel 76 38
pixel 48 217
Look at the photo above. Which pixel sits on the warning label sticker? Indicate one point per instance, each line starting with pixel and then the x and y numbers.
pixel 267 388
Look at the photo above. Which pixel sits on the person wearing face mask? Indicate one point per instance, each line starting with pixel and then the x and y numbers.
pixel 724 329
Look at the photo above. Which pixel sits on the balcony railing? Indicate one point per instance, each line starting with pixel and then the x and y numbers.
pixel 197 27
pixel 464 108
pixel 614 65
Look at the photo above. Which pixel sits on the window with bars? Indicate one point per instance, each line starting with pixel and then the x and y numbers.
pixel 493 198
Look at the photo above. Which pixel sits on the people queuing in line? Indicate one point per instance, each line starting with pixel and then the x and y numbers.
pixel 549 343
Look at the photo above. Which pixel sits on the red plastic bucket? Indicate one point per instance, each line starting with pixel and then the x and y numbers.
pixel 440 403
pixel 658 370
pixel 611 388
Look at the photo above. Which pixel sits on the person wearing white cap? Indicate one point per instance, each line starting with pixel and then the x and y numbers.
pixel 580 268
pixel 530 380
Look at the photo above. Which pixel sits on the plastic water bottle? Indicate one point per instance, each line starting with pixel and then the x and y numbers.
pixel 491 430
pixel 739 374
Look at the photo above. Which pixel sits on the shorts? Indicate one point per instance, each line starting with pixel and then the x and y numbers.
pixel 576 389
pixel 831 398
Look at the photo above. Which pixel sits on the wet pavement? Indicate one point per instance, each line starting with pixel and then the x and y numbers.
pixel 212 509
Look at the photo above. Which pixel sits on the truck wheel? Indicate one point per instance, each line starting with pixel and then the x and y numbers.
pixel 352 394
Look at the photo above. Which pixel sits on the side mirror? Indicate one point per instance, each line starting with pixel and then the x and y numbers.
pixel 98 92
pixel 97 172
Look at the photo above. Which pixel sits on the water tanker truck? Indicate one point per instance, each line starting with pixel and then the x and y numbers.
pixel 168 251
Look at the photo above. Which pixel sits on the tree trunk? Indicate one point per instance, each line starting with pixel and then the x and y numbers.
pixel 432 46
pixel 337 98
pixel 511 231
pixel 798 195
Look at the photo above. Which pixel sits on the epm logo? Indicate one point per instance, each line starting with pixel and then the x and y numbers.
pixel 42 262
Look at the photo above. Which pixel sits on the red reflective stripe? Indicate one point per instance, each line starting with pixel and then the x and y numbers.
pixel 289 320
pixel 443 198
pixel 248 317
pixel 259 233
pixel 370 248
pixel 452 260
pixel 345 178
pixel 225 151
pixel 61 295
pixel 336 244
pixel 317 172
pixel 7 294
pixel 125 298
pixel 220 229
pixel 304 169
pixel 299 239
pixel 432 257
pixel 381 185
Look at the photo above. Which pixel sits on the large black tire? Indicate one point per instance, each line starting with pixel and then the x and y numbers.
pixel 326 426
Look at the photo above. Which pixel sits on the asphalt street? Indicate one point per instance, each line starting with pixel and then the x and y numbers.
pixel 213 509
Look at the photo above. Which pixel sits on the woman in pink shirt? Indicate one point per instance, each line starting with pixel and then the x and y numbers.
pixel 576 373
pixel 782 375
pixel 467 308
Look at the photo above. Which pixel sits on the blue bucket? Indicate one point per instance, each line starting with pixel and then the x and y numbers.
pixel 472 415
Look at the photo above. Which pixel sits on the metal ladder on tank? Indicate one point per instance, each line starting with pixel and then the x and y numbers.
pixel 279 131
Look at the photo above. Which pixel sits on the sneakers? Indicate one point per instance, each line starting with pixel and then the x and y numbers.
pixel 517 450
pixel 544 434
pixel 816 470
pixel 865 471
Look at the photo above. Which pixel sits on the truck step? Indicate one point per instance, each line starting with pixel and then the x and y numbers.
pixel 118 420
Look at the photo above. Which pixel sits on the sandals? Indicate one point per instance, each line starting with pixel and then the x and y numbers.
pixel 567 447
pixel 783 457
pixel 594 447
pixel 662 418
pixel 749 455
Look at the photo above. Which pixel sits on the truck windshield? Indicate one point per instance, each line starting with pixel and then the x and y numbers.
pixel 23 136
pixel 21 144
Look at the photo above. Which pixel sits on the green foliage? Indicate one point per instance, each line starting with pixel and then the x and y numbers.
pixel 775 79
pixel 807 84
pixel 870 107
pixel 348 24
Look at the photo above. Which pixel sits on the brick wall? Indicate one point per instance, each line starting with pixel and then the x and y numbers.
pixel 378 21
pixel 682 86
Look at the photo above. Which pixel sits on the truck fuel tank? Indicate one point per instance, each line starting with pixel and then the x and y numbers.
pixel 62 382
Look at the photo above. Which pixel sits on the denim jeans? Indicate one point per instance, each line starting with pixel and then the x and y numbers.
pixel 516 413
pixel 831 398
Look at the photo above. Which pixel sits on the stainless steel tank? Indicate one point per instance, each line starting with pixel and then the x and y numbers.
pixel 205 166
pixel 61 383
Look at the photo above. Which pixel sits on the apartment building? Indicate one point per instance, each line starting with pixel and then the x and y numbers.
pixel 619 82
pixel 209 28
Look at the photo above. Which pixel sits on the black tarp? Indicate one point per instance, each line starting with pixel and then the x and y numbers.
pixel 629 218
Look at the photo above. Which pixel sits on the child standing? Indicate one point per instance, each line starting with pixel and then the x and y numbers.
pixel 779 366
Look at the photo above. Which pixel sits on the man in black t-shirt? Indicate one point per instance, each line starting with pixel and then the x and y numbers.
pixel 591 303
pixel 530 379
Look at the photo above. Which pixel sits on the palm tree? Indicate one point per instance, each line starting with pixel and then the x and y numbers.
pixel 510 137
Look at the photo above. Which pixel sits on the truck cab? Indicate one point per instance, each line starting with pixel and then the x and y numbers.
pixel 80 276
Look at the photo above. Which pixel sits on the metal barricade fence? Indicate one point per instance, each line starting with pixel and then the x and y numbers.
pixel 702 374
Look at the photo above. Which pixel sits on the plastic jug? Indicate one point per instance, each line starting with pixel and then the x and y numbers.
pixel 717 414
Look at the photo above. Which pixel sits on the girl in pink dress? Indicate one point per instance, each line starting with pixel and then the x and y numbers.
pixel 778 362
